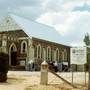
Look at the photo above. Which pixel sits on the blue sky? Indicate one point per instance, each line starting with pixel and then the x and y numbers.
pixel 71 18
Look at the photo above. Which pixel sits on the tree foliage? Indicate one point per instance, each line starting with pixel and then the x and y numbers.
pixel 87 39
pixel 87 43
pixel 4 66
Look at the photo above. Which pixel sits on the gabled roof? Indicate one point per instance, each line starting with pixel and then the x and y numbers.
pixel 31 28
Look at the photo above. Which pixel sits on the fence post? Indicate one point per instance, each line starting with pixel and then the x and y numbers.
pixel 89 78
pixel 85 74
pixel 72 73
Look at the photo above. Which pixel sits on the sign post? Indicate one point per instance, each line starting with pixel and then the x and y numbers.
pixel 78 57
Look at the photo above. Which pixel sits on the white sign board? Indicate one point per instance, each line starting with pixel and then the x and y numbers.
pixel 78 55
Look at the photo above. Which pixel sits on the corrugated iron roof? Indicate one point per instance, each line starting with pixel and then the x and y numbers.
pixel 31 28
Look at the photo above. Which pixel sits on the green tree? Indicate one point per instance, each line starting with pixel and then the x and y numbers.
pixel 87 43
pixel 87 39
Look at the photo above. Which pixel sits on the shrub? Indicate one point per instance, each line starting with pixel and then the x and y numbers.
pixel 4 66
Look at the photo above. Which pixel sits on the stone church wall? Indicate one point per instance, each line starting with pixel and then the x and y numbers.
pixel 47 49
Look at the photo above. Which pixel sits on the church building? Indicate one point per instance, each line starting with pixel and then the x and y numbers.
pixel 26 40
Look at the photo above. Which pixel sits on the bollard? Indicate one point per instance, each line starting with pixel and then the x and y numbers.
pixel 44 73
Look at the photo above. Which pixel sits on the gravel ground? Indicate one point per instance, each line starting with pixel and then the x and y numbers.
pixel 23 80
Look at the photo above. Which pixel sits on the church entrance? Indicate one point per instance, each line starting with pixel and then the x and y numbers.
pixel 13 55
pixel 13 58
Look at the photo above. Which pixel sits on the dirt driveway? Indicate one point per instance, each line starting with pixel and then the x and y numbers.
pixel 23 80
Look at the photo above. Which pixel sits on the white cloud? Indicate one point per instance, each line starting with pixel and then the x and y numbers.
pixel 31 12
pixel 71 25
pixel 19 3
pixel 21 7
pixel 61 20
pixel 70 5
pixel 62 5
pixel 52 5
pixel 58 13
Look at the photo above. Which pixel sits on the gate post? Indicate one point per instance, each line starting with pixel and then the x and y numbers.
pixel 44 73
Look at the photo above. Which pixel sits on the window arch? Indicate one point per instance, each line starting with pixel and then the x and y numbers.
pixel 62 56
pixel 43 53
pixel 13 47
pixel 23 47
pixel 57 54
pixel 35 51
pixel 65 54
pixel 39 51
pixel 48 53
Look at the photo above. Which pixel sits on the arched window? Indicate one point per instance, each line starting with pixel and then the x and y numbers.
pixel 23 47
pixel 48 53
pixel 62 55
pixel 43 53
pixel 13 47
pixel 57 54
pixel 65 55
pixel 13 54
pixel 39 51
pixel 35 51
